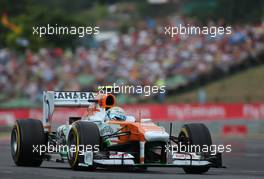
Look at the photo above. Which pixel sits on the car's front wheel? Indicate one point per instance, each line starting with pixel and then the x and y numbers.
pixel 83 135
pixel 195 134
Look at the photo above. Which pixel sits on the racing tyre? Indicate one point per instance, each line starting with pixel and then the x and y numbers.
pixel 195 134
pixel 26 138
pixel 82 135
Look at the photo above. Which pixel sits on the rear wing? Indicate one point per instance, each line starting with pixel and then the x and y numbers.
pixel 52 99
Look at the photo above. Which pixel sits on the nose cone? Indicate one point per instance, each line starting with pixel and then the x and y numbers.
pixel 156 136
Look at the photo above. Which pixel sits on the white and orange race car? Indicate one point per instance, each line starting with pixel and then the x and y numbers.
pixel 107 137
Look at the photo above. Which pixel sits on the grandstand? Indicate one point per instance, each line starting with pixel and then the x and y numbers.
pixel 140 57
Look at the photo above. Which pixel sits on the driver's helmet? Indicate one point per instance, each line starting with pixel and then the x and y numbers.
pixel 116 113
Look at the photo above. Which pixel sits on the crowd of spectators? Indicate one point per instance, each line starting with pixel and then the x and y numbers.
pixel 143 56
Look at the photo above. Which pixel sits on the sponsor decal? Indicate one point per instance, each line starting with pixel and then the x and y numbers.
pixel 120 155
pixel 73 95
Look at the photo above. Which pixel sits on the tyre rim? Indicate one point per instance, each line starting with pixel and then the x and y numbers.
pixel 14 141
pixel 71 142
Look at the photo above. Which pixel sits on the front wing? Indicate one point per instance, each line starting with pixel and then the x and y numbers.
pixel 176 160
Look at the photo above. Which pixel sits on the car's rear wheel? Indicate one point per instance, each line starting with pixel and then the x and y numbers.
pixel 26 138
pixel 82 135
pixel 195 134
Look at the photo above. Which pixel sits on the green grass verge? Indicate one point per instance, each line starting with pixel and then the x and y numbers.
pixel 245 86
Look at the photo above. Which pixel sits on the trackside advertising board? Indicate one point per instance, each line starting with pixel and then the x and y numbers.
pixel 169 112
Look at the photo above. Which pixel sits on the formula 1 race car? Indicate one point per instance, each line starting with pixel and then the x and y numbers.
pixel 107 137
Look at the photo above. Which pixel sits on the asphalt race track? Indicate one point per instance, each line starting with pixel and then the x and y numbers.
pixel 245 161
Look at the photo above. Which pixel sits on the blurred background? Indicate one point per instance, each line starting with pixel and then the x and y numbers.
pixel 217 80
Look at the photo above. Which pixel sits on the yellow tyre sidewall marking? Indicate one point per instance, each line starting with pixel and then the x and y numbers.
pixel 77 145
pixel 184 130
